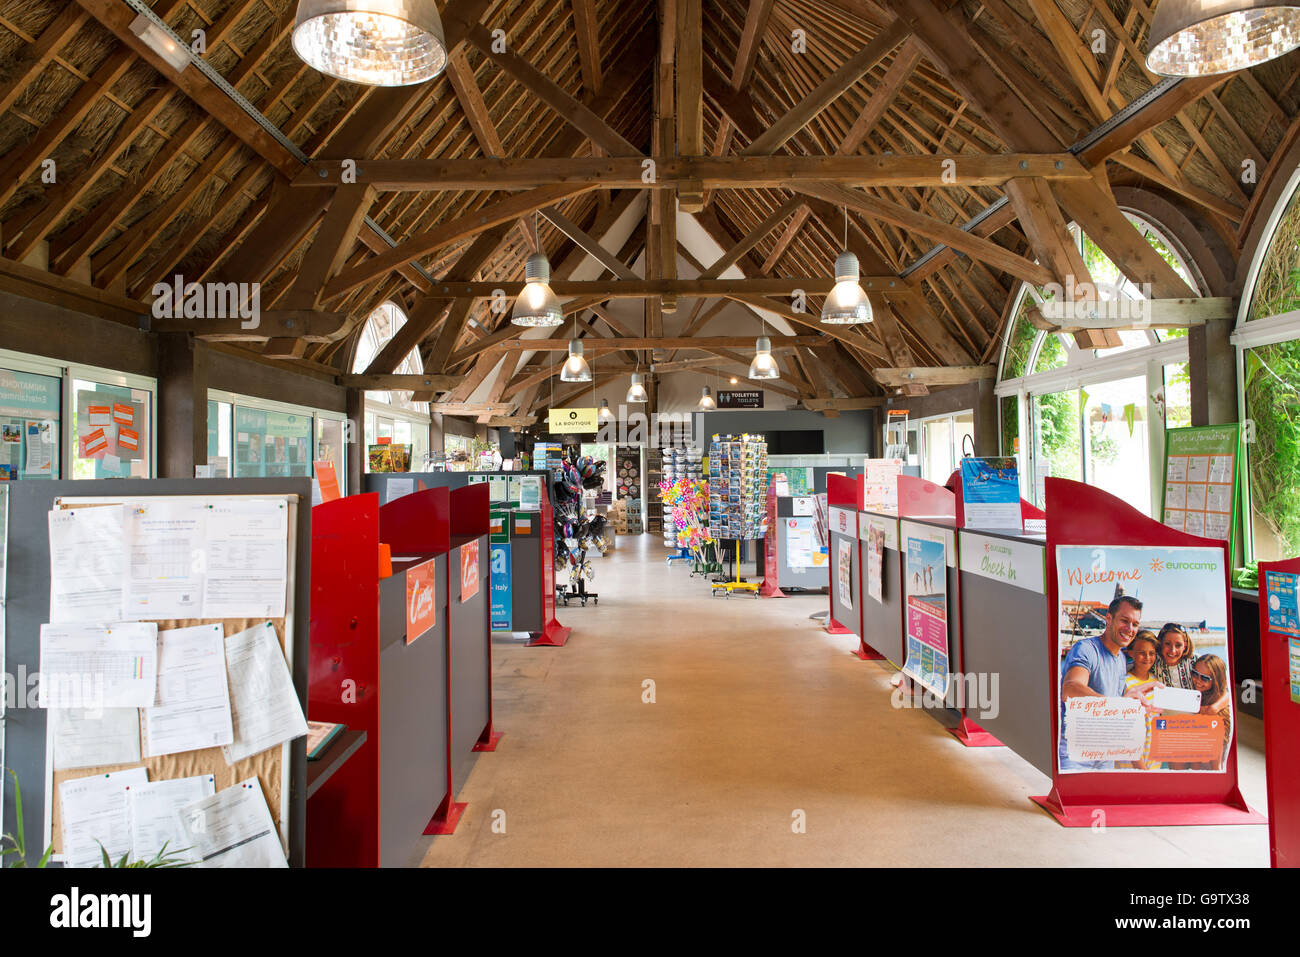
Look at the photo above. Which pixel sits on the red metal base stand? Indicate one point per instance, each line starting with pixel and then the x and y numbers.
pixel 867 653
pixel 833 627
pixel 772 590
pixel 554 635
pixel 1234 811
pixel 973 736
pixel 487 741
pixel 446 818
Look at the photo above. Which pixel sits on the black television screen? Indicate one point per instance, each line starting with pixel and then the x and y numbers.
pixel 796 442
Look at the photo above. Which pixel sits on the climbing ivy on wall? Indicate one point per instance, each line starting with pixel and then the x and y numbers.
pixel 1273 411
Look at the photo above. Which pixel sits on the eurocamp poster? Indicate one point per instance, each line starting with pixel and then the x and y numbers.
pixel 1144 682
pixel 925 584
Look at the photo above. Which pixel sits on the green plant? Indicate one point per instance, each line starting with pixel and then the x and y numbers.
pixel 18 842
pixel 1273 406
pixel 1010 424
pixel 161 859
pixel 1058 428
pixel 1277 288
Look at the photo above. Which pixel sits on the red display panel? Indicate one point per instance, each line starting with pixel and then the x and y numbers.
pixel 1083 515
pixel 1281 729
pixel 419 523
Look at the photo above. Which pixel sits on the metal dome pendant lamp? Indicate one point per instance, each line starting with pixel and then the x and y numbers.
pixel 372 42
pixel 1206 37
pixel 847 304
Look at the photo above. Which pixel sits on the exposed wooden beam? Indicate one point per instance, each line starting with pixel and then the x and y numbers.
pixel 689 105
pixel 853 69
pixel 1058 316
pixel 331 246
pixel 587 243
pixel 462 80
pixel 752 238
pixel 587 28
pixel 616 344
pixel 935 376
pixel 503 210
pixel 750 39
pixel 845 405
pixel 908 218
pixel 672 172
pixel 304 324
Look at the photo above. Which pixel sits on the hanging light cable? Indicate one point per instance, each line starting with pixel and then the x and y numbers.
pixel 636 391
pixel 373 42
pixel 847 303
pixel 537 304
pixel 1205 37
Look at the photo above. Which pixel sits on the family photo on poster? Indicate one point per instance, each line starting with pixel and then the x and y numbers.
pixel 1143 648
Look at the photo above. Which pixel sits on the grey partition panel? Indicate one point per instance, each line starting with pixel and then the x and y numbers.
pixel 378 481
pixel 27 607
pixel 1003 635
pixel 882 621
pixel 821 471
pixel 811 576
pixel 846 616
pixel 470 637
pixel 526 580
pixel 413 729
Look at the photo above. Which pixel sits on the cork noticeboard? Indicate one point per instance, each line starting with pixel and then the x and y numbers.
pixel 270 767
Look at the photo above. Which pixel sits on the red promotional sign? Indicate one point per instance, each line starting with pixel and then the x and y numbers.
pixel 469 570
pixel 771 573
pixel 421 600
pixel 328 480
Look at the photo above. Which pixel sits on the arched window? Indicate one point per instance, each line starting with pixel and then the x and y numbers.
pixel 391 414
pixel 1096 415
pixel 1268 376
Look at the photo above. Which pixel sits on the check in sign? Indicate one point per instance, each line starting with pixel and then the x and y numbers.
pixel 572 420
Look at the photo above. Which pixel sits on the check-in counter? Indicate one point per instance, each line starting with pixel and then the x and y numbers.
pixel 1003 610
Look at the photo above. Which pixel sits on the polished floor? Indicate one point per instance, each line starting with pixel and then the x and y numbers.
pixel 759 720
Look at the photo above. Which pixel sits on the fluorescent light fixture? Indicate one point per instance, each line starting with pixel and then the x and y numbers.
pixel 161 42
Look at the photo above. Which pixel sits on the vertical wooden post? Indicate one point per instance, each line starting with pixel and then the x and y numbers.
pixel 182 405
pixel 356 448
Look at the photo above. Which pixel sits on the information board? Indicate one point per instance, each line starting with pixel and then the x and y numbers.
pixel 1203 481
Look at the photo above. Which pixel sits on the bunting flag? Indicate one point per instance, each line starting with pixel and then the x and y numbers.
pixel 1130 413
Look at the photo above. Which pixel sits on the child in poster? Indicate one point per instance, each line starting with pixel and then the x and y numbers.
pixel 1109 598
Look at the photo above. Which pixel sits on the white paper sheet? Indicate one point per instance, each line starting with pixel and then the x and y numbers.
pixel 247 559
pixel 87 562
pixel 98 666
pixel 41 440
pixel 166 552
pixel 396 488
pixel 193 709
pixel 263 703
pixel 233 828
pixel 154 809
pixel 92 739
pixel 93 809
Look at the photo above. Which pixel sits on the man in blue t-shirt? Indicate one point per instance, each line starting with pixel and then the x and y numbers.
pixel 1095 668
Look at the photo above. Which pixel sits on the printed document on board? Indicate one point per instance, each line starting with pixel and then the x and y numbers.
pixel 233 828
pixel 247 558
pixel 93 812
pixel 193 709
pixel 263 704
pixel 87 563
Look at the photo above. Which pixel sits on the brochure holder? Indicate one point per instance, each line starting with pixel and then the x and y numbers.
pixel 1083 515
pixel 1281 727
pixel 931 504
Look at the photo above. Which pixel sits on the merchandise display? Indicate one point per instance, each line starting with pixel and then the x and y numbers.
pixel 578 529
pixel 737 487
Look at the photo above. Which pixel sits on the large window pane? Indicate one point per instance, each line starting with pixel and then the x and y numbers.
pixel 1178 396
pixel 937 445
pixel 1058 444
pixel 112 429
pixel 29 424
pixel 272 444
pixel 329 445
pixel 1118 460
pixel 1273 449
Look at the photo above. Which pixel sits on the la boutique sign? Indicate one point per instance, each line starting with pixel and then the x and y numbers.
pixel 563 421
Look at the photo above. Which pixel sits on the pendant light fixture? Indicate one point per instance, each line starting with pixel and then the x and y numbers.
pixel 636 391
pixel 537 305
pixel 706 402
pixel 764 365
pixel 373 42
pixel 847 303
pixel 605 414
pixel 1205 37
pixel 575 367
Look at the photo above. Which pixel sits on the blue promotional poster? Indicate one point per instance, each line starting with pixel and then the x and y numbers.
pixel 1283 614
pixel 501 597
pixel 990 490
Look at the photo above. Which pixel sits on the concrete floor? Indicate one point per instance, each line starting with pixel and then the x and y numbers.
pixel 758 713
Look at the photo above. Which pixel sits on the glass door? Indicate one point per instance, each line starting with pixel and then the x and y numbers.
pixel 1058 441
pixel 1118 451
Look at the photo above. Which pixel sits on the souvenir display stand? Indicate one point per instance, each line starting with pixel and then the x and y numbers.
pixel 924 510
pixel 551 634
pixel 1085 516
pixel 1281 694
pixel 30 751
pixel 369 674
pixel 843 502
